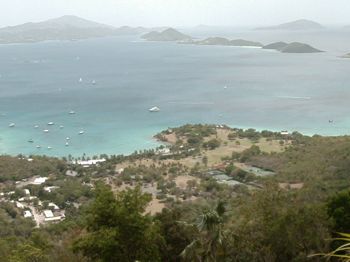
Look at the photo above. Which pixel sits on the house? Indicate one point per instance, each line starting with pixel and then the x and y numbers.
pixel 48 213
pixel 39 180
pixel 87 163
pixel 55 207
pixel 26 191
pixel 50 216
pixel 50 188
pixel 27 214
pixel 71 173
pixel 284 133
pixel 19 205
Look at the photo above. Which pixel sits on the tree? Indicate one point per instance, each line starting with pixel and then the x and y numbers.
pixel 338 208
pixel 117 230
pixel 210 243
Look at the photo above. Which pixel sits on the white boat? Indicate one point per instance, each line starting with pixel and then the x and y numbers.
pixel 67 144
pixel 67 138
pixel 61 127
pixel 12 125
pixel 36 126
pixel 225 87
pixel 81 132
pixel 49 147
pixel 154 109
pixel 46 130
pixel 71 112
pixel 38 146
pixel 80 80
pixel 93 82
pixel 50 123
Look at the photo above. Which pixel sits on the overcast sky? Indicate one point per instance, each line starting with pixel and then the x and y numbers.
pixel 178 12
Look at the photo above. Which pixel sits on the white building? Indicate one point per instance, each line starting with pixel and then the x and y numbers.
pixel 48 213
pixel 39 180
pixel 55 207
pixel 27 213
pixel 19 205
pixel 50 188
pixel 26 191
pixel 87 163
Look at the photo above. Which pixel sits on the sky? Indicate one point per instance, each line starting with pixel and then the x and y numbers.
pixel 178 12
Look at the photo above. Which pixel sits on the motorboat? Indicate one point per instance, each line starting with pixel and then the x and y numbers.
pixel 154 109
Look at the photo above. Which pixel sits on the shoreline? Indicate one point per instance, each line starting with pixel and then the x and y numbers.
pixel 159 143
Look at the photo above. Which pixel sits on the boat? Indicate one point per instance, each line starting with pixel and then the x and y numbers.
pixel 12 125
pixel 38 146
pixel 30 141
pixel 49 147
pixel 36 126
pixel 67 138
pixel 67 144
pixel 225 87
pixel 46 130
pixel 71 112
pixel 93 82
pixel 61 127
pixel 154 109
pixel 50 123
pixel 80 80
pixel 81 132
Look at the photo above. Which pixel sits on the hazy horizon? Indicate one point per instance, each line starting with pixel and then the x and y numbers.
pixel 178 13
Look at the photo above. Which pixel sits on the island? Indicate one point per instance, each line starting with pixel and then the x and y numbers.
pixel 225 42
pixel 294 47
pixel 168 35
pixel 276 46
pixel 63 28
pixel 301 24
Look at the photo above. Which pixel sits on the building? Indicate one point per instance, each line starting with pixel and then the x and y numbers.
pixel 87 163
pixel 27 214
pixel 39 180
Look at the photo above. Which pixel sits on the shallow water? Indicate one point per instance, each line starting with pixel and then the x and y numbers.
pixel 265 90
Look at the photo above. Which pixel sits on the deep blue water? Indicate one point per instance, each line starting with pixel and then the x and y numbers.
pixel 265 90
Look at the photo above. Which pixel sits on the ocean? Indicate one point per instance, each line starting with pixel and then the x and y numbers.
pixel 39 83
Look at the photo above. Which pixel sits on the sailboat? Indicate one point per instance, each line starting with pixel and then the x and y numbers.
pixel 12 125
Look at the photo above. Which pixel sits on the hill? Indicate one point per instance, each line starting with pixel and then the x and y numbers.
pixel 63 28
pixel 169 34
pixel 301 24
pixel 276 46
pixel 299 48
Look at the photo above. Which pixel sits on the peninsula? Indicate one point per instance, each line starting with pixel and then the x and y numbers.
pixel 63 28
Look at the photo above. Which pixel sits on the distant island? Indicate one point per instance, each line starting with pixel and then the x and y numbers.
pixel 169 35
pixel 226 42
pixel 302 24
pixel 63 28
pixel 294 47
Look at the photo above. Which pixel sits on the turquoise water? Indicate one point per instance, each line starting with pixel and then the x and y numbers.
pixel 40 83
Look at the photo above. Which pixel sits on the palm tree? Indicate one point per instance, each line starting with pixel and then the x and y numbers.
pixel 210 243
pixel 342 252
